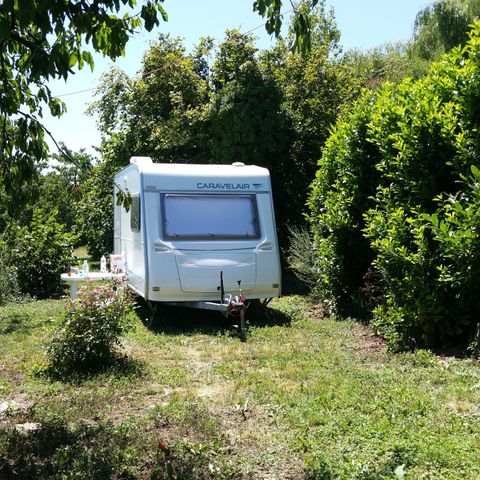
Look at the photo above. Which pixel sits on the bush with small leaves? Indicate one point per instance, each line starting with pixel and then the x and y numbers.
pixel 39 252
pixel 9 289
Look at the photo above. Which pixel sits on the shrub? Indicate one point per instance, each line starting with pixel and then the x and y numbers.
pixel 9 289
pixel 340 194
pixel 40 252
pixel 424 227
pixel 302 257
pixel 397 193
pixel 91 328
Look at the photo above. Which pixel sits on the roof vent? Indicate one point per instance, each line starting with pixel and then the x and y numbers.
pixel 141 160
pixel 238 164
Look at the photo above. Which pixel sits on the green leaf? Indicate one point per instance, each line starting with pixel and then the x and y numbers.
pixel 163 13
pixel 72 59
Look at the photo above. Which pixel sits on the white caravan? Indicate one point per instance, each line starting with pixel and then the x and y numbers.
pixel 198 234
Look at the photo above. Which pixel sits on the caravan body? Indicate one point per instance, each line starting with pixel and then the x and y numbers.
pixel 188 223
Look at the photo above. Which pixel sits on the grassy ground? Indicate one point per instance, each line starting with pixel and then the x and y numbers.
pixel 304 397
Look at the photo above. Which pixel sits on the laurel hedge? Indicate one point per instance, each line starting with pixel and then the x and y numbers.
pixel 395 206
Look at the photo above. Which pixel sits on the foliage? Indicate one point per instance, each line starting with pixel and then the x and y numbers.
pixel 39 252
pixel 247 122
pixel 9 288
pixel 95 211
pixel 16 205
pixel 408 211
pixel 301 23
pixel 61 187
pixel 91 329
pixel 441 26
pixel 156 113
pixel 236 50
pixel 165 128
pixel 314 89
pixel 44 40
pixel 302 258
pixel 248 125
pixel 340 194
pixel 426 132
pixel 389 62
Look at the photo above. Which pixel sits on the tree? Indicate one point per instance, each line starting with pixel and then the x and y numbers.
pixel 95 212
pixel 441 26
pixel 390 62
pixel 248 124
pixel 62 187
pixel 44 40
pixel 314 87
pixel 234 51
pixel 158 112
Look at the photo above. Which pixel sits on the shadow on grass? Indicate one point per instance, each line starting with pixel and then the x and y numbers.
pixel 118 366
pixel 170 320
pixel 15 323
pixel 54 449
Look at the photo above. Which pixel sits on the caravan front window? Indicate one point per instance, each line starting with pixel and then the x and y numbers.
pixel 210 216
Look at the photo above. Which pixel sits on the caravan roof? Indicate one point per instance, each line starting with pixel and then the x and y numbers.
pixel 207 177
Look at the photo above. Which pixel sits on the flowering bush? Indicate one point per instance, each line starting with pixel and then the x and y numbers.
pixel 91 328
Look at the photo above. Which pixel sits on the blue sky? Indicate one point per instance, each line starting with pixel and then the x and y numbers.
pixel 363 24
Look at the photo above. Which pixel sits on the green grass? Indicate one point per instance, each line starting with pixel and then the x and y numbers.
pixel 304 397
pixel 81 253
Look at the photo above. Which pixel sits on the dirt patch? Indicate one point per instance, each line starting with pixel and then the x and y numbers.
pixel 18 404
pixel 366 343
pixel 252 433
pixel 211 392
pixel 316 311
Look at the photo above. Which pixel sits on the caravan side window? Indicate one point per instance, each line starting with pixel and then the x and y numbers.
pixel 202 216
pixel 135 214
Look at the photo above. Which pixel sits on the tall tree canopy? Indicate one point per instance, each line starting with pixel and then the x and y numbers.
pixel 442 25
pixel 272 109
pixel 41 40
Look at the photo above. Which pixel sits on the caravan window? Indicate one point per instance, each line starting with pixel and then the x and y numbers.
pixel 210 216
pixel 135 214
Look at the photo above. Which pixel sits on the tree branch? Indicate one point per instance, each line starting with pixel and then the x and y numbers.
pixel 33 46
pixel 63 152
